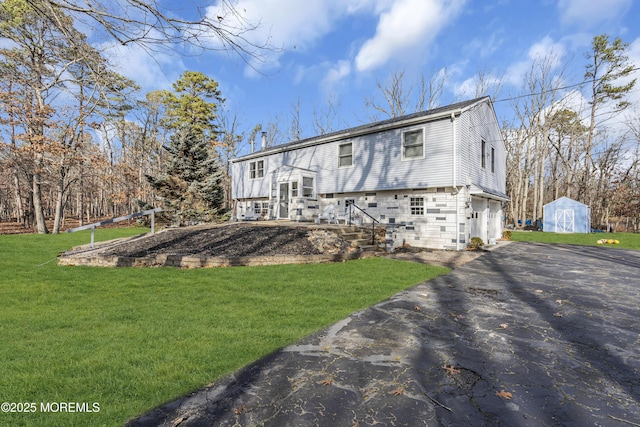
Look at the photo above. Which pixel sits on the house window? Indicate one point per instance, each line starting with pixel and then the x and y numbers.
pixel 345 155
pixel 294 188
pixel 413 144
pixel 483 154
pixel 261 208
pixel 307 186
pixel 256 169
pixel 493 162
pixel 416 205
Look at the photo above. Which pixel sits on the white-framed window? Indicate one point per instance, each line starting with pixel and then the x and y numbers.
pixel 294 188
pixel 261 209
pixel 483 155
pixel 345 155
pixel 416 205
pixel 256 169
pixel 413 144
pixel 307 186
pixel 493 160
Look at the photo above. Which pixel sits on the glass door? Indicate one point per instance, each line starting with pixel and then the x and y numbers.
pixel 284 201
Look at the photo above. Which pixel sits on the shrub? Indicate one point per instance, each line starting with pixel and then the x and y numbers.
pixel 475 244
pixel 506 235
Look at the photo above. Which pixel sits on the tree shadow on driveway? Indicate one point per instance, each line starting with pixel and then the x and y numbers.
pixel 554 326
pixel 526 335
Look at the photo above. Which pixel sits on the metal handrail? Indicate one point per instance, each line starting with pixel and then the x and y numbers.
pixel 373 221
pixel 93 226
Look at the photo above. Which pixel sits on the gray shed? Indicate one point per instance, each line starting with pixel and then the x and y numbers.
pixel 566 215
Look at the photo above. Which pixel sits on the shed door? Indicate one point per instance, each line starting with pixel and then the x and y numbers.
pixel 565 222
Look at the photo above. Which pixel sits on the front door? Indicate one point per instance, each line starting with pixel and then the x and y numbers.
pixel 349 210
pixel 284 201
pixel 478 222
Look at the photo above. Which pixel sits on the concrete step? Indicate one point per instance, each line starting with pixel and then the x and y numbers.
pixel 355 236
pixel 359 242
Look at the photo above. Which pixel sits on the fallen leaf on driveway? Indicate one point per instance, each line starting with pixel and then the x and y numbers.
pixel 504 394
pixel 558 314
pixel 326 381
pixel 504 325
pixel 398 392
pixel 539 291
pixel 450 369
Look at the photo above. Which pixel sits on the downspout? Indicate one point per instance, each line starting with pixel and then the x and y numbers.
pixel 453 177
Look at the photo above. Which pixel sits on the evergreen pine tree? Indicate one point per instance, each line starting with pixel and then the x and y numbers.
pixel 191 188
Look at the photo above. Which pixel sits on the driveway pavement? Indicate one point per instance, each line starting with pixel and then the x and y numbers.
pixel 525 335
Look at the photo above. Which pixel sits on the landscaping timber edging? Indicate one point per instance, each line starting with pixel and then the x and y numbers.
pixel 195 261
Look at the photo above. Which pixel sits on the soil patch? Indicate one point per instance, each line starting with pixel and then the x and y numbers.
pixel 229 240
pixel 264 243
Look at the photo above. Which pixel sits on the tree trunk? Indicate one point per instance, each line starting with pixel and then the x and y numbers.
pixel 57 220
pixel 41 225
pixel 18 197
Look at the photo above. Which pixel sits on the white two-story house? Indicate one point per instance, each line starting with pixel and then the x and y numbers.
pixel 434 179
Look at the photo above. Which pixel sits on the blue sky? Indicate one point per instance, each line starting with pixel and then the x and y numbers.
pixel 339 49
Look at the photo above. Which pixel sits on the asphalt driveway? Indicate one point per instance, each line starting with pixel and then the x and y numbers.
pixel 526 335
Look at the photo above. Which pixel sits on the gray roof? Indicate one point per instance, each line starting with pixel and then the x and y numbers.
pixel 372 126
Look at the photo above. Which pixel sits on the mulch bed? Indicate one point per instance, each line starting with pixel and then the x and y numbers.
pixel 229 240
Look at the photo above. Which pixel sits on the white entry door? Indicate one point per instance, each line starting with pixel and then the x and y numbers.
pixel 478 222
pixel 565 221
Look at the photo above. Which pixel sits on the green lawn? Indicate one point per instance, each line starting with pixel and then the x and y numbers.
pixel 130 339
pixel 627 240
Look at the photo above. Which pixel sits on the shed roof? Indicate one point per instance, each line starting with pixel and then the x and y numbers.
pixel 564 200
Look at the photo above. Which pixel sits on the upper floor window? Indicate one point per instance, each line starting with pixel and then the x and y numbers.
pixel 345 155
pixel 307 186
pixel 413 144
pixel 256 169
pixel 483 155
pixel 493 159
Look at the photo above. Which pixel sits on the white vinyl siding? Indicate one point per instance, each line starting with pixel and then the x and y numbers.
pixel 413 144
pixel 345 155
pixel 470 149
pixel 377 159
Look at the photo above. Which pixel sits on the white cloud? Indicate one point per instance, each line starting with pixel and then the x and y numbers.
pixel 150 70
pixel 546 53
pixel 334 76
pixel 547 48
pixel 406 25
pixel 591 12
pixel 285 25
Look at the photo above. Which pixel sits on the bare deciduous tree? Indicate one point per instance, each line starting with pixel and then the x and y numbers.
pixel 155 26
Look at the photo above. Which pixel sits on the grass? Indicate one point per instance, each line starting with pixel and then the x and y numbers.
pixel 627 240
pixel 131 339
